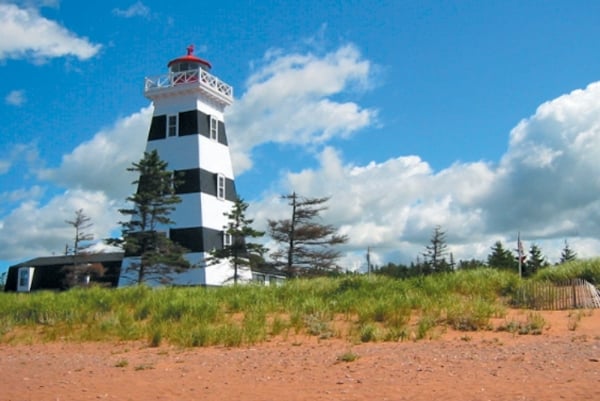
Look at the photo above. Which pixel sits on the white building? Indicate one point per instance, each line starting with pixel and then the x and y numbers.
pixel 188 132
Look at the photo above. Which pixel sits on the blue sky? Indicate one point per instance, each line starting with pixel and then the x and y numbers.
pixel 480 117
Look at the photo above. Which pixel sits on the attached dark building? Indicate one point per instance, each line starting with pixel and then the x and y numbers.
pixel 51 273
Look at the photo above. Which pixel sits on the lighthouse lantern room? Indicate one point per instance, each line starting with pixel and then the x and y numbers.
pixel 188 132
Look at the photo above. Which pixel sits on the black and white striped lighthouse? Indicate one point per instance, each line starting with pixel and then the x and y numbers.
pixel 188 132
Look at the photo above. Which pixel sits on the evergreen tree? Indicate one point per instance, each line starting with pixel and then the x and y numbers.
pixel 237 249
pixel 567 254
pixel 396 271
pixel 81 271
pixel 502 258
pixel 81 223
pixel 306 245
pixel 535 261
pixel 145 233
pixel 435 253
pixel 470 264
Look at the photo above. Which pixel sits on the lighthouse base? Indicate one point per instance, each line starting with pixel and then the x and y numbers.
pixel 200 274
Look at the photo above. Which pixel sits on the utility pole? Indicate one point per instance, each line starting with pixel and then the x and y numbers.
pixel 520 254
pixel 369 260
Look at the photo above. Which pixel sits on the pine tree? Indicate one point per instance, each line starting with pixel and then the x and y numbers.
pixel 81 224
pixel 535 261
pixel 145 233
pixel 81 271
pixel 502 258
pixel 470 264
pixel 435 253
pixel 307 246
pixel 237 250
pixel 567 254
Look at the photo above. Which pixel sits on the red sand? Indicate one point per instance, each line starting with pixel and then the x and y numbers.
pixel 560 364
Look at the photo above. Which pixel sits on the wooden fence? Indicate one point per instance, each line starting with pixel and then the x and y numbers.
pixel 572 294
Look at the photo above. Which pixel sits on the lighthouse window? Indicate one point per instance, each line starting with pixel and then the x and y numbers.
pixel 220 186
pixel 172 126
pixel 214 128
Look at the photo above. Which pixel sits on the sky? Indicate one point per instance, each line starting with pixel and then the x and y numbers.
pixel 482 118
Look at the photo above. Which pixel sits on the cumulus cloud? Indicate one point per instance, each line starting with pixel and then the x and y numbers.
pixel 24 33
pixel 391 205
pixel 545 186
pixel 95 178
pixel 289 99
pixel 100 163
pixel 138 9
pixel 15 98
pixel 549 179
pixel 33 229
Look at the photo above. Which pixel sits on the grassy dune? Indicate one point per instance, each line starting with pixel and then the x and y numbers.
pixel 355 308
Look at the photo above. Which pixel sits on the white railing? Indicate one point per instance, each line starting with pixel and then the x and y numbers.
pixel 187 77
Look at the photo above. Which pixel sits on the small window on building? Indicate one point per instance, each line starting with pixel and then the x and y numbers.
pixel 227 240
pixel 172 125
pixel 24 278
pixel 221 181
pixel 214 128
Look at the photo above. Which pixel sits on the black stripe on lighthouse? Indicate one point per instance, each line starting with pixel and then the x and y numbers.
pixel 158 128
pixel 193 239
pixel 191 122
pixel 197 239
pixel 198 180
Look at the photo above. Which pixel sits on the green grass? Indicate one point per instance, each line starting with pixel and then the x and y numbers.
pixel 587 269
pixel 356 308
pixel 534 324
pixel 348 356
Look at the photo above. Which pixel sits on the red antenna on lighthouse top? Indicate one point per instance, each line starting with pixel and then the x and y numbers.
pixel 190 50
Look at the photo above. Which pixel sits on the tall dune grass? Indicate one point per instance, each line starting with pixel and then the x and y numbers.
pixel 357 308
pixel 587 269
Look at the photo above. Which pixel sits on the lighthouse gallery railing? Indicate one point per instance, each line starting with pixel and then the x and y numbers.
pixel 187 77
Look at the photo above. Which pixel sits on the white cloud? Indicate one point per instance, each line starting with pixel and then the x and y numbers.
pixel 24 33
pixel 289 99
pixel 546 186
pixel 15 98
pixel 20 153
pixel 95 176
pixel 4 166
pixel 138 9
pixel 32 229
pixel 100 164
pixel 392 205
pixel 549 179
pixel 22 194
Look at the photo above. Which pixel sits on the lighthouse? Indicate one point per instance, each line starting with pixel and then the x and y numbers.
pixel 188 132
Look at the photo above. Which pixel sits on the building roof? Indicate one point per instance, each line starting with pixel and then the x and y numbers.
pixel 189 57
pixel 68 259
